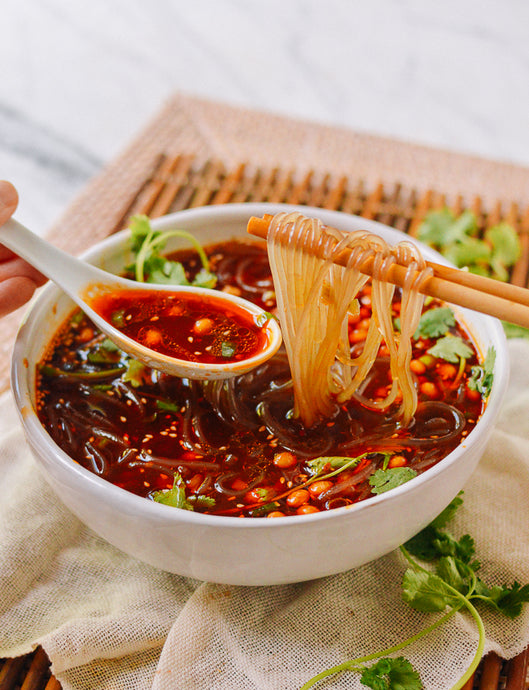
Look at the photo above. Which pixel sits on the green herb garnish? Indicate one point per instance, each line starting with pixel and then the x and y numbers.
pixel 263 318
pixel 506 249
pixel 450 582
pixel 175 496
pixel 451 348
pixel 482 376
pixel 264 509
pixel 105 352
pixel 391 673
pixel 441 228
pixel 332 462
pixel 435 322
pixel 457 239
pixel 227 349
pixel 137 373
pixel 118 318
pixel 167 405
pixel 387 479
pixel 514 331
pixel 151 267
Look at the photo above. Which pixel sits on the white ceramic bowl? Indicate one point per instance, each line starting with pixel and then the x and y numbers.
pixel 230 549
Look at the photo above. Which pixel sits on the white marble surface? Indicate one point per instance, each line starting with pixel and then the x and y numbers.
pixel 78 79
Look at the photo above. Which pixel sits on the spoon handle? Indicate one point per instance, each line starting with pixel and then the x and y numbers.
pixel 68 272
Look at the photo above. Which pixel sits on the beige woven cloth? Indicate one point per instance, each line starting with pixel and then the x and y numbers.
pixel 109 622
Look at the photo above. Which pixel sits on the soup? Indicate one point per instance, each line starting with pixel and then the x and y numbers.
pixel 235 447
pixel 195 328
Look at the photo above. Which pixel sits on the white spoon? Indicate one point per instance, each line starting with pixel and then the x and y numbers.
pixel 84 283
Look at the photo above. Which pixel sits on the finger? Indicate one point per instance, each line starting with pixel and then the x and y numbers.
pixel 8 200
pixel 17 267
pixel 6 254
pixel 14 293
pixel 8 204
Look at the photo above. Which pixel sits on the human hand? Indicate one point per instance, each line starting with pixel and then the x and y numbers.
pixel 18 279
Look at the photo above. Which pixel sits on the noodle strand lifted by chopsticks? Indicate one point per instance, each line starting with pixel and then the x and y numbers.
pixel 314 299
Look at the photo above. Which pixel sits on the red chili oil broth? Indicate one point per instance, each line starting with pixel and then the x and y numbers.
pixel 235 441
pixel 195 328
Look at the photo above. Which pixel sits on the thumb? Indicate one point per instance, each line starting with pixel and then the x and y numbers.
pixel 8 200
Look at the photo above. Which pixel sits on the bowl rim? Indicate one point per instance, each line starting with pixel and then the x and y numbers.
pixel 132 503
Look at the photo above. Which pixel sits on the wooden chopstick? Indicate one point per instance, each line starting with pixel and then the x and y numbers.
pixel 486 295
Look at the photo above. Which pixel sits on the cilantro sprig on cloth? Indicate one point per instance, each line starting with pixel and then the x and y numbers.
pixel 441 578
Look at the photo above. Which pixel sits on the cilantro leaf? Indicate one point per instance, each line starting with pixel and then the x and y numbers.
pixel 469 253
pixel 457 240
pixel 426 592
pixel 435 322
pixel 448 513
pixel 464 226
pixel 227 349
pixel 201 501
pixel 105 352
pixel 462 548
pixel 454 572
pixel 506 249
pixel 441 228
pixel 422 544
pixel 391 674
pixel 167 405
pixel 163 271
pixel 204 278
pixel 450 348
pixel 385 480
pixel 118 318
pixel 140 229
pixel 505 243
pixel 514 331
pixel 506 600
pixel 331 462
pixel 152 267
pixel 264 509
pixel 263 318
pixel 174 497
pixel 136 373
pixel 431 543
pixel 482 376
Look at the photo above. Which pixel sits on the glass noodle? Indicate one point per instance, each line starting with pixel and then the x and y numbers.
pixel 315 297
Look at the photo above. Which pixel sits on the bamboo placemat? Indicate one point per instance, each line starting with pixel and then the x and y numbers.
pixel 195 153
